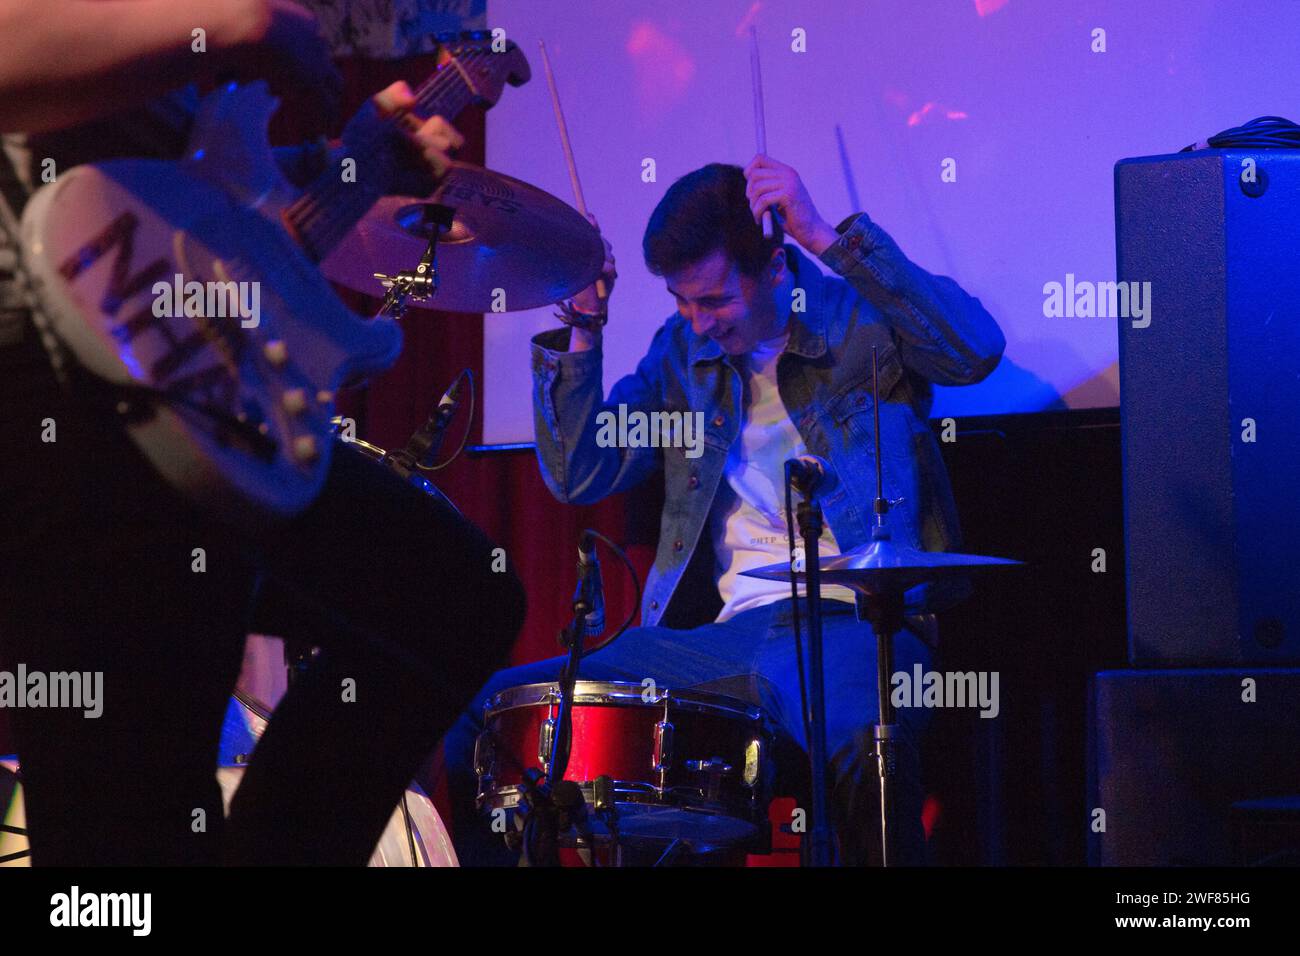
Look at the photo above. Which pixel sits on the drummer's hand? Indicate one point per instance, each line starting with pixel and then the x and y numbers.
pixel 433 140
pixel 774 185
pixel 588 301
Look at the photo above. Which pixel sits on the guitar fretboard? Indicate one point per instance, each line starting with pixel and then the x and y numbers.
pixel 331 205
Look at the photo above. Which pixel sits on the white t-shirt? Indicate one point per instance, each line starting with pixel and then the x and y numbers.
pixel 748 522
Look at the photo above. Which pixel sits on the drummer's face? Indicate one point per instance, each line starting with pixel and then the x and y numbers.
pixel 735 310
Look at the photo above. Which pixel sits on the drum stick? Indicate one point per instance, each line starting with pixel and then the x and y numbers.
pixel 760 120
pixel 563 127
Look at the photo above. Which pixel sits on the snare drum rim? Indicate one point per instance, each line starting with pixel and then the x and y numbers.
pixel 620 694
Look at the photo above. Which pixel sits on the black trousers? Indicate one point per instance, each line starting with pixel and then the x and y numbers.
pixel 100 574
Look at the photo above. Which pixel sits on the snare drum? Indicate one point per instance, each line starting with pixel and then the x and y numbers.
pixel 686 765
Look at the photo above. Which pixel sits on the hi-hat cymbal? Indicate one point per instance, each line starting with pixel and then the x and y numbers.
pixel 883 567
pixel 505 234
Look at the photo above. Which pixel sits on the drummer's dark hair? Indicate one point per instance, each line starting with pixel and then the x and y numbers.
pixel 704 211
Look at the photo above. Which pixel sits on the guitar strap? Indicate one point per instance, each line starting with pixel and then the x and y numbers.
pixel 20 311
pixel 13 286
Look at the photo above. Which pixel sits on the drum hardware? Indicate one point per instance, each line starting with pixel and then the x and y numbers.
pixel 422 282
pixel 663 754
pixel 708 802
pixel 503 234
pixel 544 819
pixel 880 573
pixel 538 837
pixel 607 810
pixel 546 743
pixel 715 768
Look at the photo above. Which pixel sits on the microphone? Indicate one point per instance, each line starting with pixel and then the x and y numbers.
pixel 807 472
pixel 590 589
pixel 424 444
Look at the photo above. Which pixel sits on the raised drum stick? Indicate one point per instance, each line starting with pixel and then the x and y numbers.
pixel 770 225
pixel 563 127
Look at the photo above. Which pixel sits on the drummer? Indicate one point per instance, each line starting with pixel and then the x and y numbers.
pixel 777 357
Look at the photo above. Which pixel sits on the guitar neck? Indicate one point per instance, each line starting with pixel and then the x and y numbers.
pixel 335 202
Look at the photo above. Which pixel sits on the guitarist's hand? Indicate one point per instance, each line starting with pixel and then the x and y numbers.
pixel 432 141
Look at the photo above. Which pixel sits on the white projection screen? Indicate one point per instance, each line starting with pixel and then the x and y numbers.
pixel 1017 93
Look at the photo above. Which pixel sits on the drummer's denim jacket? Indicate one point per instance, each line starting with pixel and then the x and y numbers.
pixel 928 330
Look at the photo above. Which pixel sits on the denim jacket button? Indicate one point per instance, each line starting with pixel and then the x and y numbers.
pixel 694 481
pixel 654 605
pixel 719 421
pixel 853 242
pixel 678 545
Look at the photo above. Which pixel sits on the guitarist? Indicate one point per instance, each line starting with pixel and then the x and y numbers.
pixel 98 573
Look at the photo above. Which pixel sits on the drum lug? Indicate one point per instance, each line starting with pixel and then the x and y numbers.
pixel 545 740
pixel 753 761
pixel 663 754
pixel 483 756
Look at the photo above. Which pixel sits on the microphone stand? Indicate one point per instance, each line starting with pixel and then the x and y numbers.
pixel 542 817
pixel 809 515
pixel 571 638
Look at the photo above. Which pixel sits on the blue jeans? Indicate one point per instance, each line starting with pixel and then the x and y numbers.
pixel 751 656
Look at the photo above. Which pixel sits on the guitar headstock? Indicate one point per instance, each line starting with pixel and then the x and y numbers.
pixel 487 63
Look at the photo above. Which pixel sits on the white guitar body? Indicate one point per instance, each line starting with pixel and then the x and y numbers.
pixel 99 240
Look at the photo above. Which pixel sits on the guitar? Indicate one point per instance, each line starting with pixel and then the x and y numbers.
pixel 192 288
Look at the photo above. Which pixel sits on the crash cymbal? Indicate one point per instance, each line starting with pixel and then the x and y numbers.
pixel 505 234
pixel 883 567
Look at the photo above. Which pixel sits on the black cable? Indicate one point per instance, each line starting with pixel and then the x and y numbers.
pixel 636 583
pixel 1263 132
pixel 794 610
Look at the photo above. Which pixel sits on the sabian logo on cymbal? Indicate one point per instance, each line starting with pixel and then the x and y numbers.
pixel 474 191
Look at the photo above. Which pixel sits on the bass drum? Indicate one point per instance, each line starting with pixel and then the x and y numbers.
pixel 415 835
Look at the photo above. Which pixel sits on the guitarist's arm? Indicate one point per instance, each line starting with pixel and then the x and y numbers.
pixel 69 61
